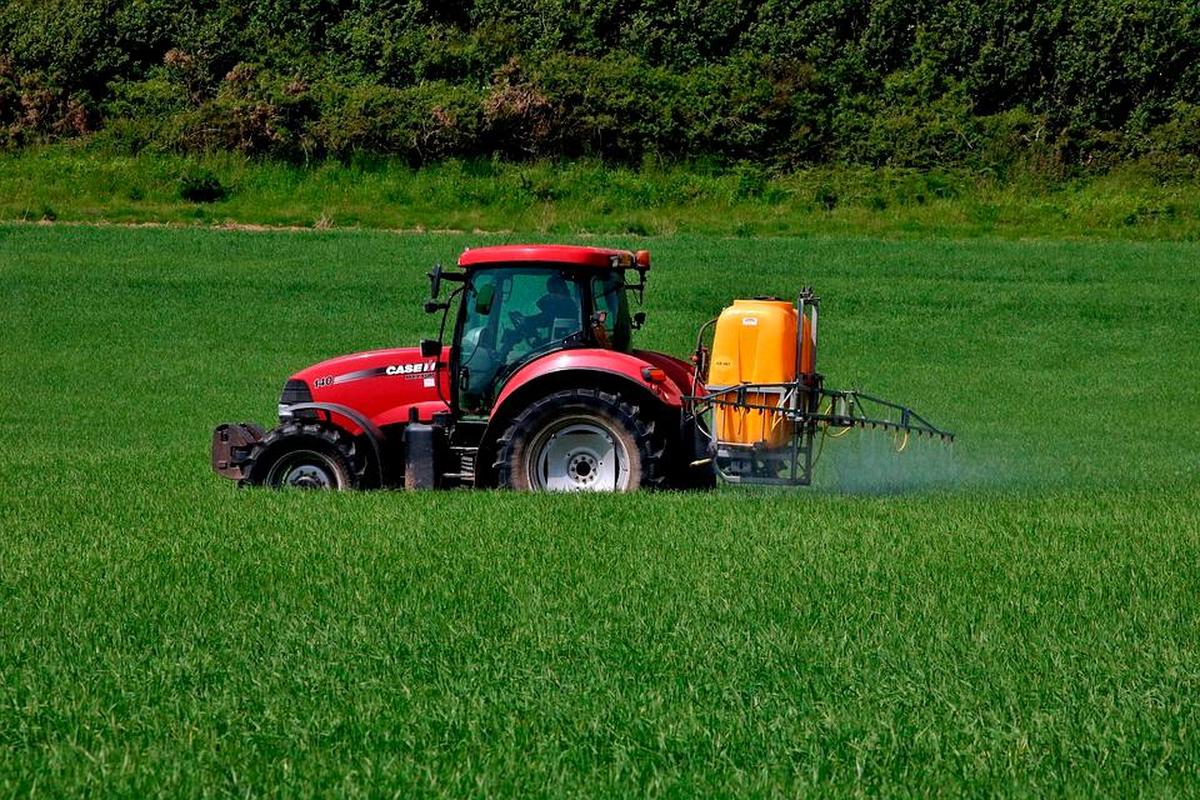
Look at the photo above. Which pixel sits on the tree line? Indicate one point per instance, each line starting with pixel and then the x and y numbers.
pixel 1058 85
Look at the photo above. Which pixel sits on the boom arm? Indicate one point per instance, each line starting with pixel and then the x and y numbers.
pixel 799 408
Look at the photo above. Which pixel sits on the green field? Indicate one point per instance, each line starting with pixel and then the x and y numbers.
pixel 87 183
pixel 1018 616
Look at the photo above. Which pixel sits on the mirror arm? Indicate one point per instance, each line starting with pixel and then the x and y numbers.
pixel 640 286
pixel 437 275
pixel 435 281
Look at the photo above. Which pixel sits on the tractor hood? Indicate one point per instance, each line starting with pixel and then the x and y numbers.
pixel 381 384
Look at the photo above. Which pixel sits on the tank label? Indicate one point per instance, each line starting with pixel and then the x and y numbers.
pixel 750 322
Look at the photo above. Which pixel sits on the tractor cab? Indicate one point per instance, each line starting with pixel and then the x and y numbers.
pixel 518 303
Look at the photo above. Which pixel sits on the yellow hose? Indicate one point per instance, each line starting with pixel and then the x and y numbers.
pixel 842 432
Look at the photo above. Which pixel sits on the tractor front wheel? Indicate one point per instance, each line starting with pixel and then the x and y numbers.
pixel 305 456
pixel 579 440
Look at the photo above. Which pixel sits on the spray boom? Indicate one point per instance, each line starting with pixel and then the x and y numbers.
pixel 762 396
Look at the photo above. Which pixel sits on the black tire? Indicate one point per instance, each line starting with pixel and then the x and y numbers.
pixel 306 456
pixel 637 448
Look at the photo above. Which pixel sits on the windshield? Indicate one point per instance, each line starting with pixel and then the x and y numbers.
pixel 608 295
pixel 509 314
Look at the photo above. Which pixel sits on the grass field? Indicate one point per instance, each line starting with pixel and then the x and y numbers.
pixel 1023 620
pixel 79 182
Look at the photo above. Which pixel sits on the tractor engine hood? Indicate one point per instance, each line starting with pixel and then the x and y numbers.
pixel 382 385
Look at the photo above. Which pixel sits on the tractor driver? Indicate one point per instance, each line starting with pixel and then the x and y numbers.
pixel 556 319
pixel 557 308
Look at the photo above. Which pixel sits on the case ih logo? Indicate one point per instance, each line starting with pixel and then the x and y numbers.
pixel 411 369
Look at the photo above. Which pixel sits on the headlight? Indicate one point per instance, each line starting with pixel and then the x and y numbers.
pixel 294 391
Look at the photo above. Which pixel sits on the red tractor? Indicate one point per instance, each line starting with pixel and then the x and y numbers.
pixel 541 388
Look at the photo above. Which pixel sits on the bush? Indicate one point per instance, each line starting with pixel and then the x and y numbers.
pixel 421 123
pixel 255 112
pixel 34 108
pixel 520 118
pixel 201 186
pixel 751 181
pixel 1180 135
pixel 615 107
pixel 157 96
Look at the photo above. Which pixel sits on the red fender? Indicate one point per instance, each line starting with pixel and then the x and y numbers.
pixel 627 365
pixel 681 372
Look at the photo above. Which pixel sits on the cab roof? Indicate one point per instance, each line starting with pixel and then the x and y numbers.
pixel 598 257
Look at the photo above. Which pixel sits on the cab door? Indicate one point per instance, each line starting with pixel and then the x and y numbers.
pixel 510 315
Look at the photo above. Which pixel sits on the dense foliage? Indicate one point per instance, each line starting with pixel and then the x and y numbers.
pixel 977 83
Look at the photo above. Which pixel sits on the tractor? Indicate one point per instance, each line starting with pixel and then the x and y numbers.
pixel 541 388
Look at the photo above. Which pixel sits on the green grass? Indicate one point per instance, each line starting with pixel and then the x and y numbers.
pixel 77 182
pixel 1027 626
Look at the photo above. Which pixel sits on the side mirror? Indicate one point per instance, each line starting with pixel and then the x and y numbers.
pixel 483 299
pixel 639 319
pixel 430 348
pixel 435 281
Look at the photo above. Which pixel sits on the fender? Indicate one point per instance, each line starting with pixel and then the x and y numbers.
pixel 628 365
pixel 374 435
pixel 682 373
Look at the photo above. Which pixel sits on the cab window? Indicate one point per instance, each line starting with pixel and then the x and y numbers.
pixel 608 296
pixel 511 314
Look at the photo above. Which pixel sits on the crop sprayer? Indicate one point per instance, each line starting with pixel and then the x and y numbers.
pixel 534 383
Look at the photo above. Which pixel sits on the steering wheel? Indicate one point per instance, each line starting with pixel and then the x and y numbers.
pixel 523 330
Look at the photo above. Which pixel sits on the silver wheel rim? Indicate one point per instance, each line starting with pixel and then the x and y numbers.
pixel 577 454
pixel 303 469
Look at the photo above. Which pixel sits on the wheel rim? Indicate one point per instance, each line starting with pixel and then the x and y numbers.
pixel 303 469
pixel 578 455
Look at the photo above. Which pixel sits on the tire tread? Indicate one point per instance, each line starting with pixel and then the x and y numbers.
pixel 649 445
pixel 332 439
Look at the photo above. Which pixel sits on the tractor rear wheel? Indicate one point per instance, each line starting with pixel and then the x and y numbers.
pixel 305 456
pixel 579 440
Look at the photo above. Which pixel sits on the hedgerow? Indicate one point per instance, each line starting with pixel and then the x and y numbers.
pixel 1057 85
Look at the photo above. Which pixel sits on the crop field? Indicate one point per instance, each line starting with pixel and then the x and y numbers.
pixel 1019 614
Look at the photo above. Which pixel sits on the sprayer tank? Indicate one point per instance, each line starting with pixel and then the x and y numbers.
pixel 755 343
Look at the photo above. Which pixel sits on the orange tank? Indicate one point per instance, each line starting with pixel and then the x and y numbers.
pixel 755 342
